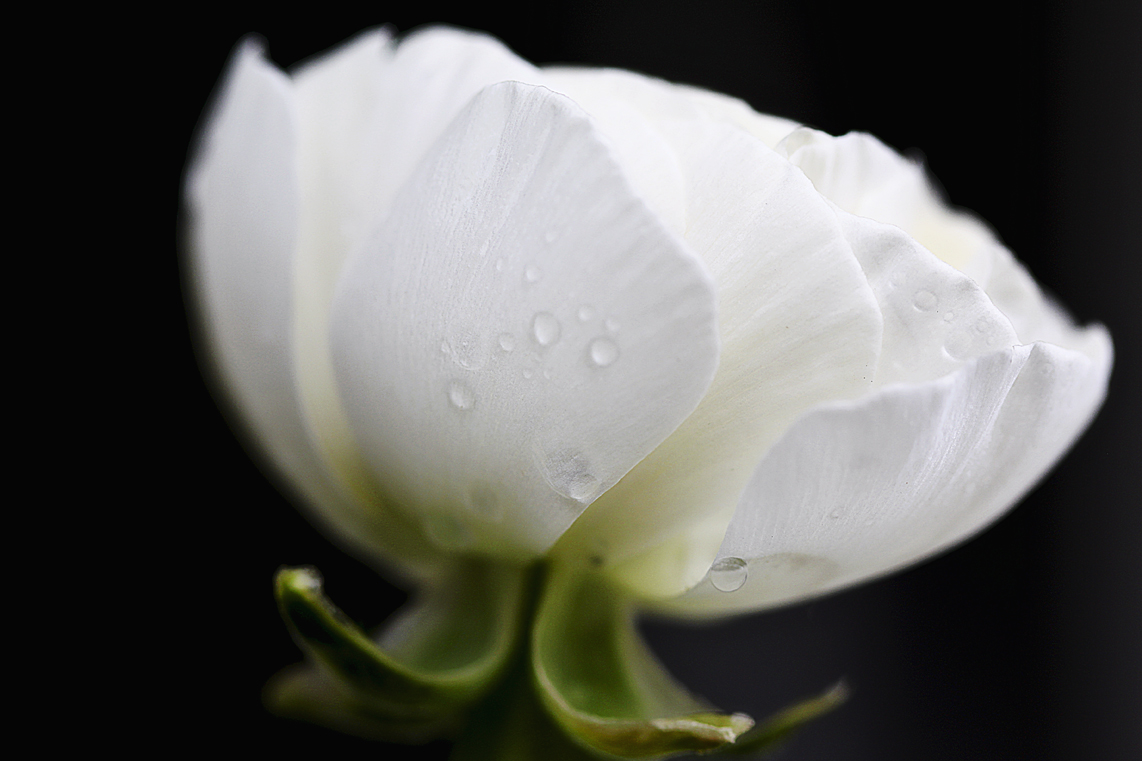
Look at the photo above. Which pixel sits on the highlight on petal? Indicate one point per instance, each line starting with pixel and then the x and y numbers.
pixel 770 130
pixel 599 681
pixel 855 490
pixel 522 329
pixel 243 196
pixel 430 663
pixel 935 317
pixel 774 247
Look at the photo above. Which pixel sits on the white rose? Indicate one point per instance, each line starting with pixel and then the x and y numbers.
pixel 473 308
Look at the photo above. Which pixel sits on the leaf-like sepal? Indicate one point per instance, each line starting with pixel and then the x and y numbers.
pixel 777 728
pixel 601 684
pixel 435 659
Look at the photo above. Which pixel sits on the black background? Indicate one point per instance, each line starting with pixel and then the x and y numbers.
pixel 1022 644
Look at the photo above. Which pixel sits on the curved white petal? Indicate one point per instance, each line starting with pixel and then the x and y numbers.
pixel 935 317
pixel 774 247
pixel 522 330
pixel 243 202
pixel 646 157
pixel 367 113
pixel 865 177
pixel 770 130
pixel 855 490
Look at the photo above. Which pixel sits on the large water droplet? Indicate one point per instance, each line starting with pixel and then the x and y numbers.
pixel 507 341
pixel 925 301
pixel 568 471
pixel 460 396
pixel 447 532
pixel 545 328
pixel 586 312
pixel 729 574
pixel 949 316
pixel 484 502
pixel 531 274
pixel 603 352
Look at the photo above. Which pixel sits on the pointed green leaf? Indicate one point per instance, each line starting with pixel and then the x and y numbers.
pixel 600 683
pixel 435 658
pixel 778 728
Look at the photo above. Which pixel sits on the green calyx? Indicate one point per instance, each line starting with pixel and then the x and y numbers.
pixel 515 664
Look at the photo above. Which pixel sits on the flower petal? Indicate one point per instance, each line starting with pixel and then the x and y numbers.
pixel 243 202
pixel 935 317
pixel 774 247
pixel 522 330
pixel 856 490
pixel 366 115
pixel 770 130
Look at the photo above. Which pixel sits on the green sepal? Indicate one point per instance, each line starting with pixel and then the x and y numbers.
pixel 601 684
pixel 437 656
pixel 772 732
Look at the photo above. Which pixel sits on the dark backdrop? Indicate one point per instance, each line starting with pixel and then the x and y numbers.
pixel 1022 644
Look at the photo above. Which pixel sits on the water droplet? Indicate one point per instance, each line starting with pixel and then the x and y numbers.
pixel 484 502
pixel 586 312
pixel 484 248
pixel 896 279
pixel 499 265
pixel 507 341
pixel 729 574
pixel 603 352
pixel 461 397
pixel 568 471
pixel 551 235
pixel 612 324
pixel 958 346
pixel 949 316
pixel 531 274
pixel 925 301
pixel 835 514
pixel 528 372
pixel 548 373
pixel 545 328
pixel 446 532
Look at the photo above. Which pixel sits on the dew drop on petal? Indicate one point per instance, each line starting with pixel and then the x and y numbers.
pixel 729 574
pixel 551 235
pixel 925 301
pixel 949 316
pixel 586 312
pixel 612 324
pixel 603 352
pixel 531 274
pixel 507 341
pixel 499 265
pixel 568 471
pixel 447 532
pixel 460 396
pixel 545 328
pixel 528 372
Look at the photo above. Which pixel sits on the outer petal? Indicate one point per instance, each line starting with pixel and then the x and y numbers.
pixel 855 490
pixel 770 130
pixel 522 330
pixel 367 114
pixel 243 204
pixel 773 246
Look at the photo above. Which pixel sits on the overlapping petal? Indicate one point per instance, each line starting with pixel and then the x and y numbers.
pixel 244 206
pixel 858 489
pixel 521 331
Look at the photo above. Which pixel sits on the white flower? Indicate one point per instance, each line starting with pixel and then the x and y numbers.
pixel 470 306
